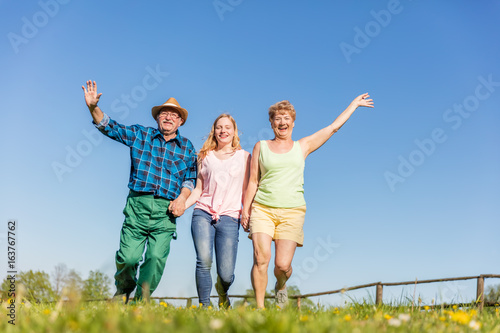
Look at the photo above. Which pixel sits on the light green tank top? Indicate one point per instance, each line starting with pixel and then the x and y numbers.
pixel 281 177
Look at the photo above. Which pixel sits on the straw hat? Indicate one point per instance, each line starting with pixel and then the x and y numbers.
pixel 171 103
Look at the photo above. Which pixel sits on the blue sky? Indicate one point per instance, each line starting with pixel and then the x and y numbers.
pixel 409 189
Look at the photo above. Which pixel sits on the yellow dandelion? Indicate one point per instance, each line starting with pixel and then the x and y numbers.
pixel 46 312
pixel 426 308
pixel 460 317
pixel 163 304
pixel 386 316
pixel 304 318
pixel 454 307
pixel 347 317
pixel 193 306
pixel 210 307
pixel 442 318
pixel 73 325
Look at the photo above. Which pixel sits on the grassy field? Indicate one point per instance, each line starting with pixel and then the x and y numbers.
pixel 162 317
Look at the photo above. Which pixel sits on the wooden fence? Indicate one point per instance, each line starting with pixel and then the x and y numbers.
pixel 479 302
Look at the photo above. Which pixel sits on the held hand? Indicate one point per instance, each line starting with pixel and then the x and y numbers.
pixel 91 95
pixel 363 100
pixel 177 206
pixel 245 221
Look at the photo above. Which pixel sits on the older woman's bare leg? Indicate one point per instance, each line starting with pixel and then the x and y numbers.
pixel 261 257
pixel 285 250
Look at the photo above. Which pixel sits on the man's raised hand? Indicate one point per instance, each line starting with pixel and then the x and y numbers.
pixel 91 95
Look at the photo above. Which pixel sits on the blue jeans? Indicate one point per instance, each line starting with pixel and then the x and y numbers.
pixel 207 234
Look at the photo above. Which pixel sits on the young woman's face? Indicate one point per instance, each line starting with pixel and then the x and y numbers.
pixel 224 131
pixel 282 125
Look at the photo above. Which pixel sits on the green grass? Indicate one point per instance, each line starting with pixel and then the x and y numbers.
pixel 355 317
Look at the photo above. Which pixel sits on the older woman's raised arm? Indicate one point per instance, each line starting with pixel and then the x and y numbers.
pixel 316 140
pixel 253 183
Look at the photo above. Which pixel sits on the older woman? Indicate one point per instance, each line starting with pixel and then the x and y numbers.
pixel 274 207
pixel 222 179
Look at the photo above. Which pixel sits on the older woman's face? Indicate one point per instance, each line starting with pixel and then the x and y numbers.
pixel 282 125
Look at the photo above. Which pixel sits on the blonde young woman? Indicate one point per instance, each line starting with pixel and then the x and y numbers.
pixel 274 206
pixel 223 171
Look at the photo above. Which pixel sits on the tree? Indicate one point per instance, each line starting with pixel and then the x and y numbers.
pixel 493 294
pixel 37 285
pixel 73 281
pixel 305 303
pixel 96 286
pixel 59 276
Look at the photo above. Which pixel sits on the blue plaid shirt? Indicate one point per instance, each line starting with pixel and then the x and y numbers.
pixel 159 167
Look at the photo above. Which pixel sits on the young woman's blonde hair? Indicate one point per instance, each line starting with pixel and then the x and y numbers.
pixel 281 108
pixel 211 141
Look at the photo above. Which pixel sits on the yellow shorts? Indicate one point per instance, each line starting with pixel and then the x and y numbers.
pixel 279 223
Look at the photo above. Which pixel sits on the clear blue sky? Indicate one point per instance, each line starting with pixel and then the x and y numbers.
pixel 409 189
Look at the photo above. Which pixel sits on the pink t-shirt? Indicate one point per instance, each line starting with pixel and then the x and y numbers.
pixel 222 184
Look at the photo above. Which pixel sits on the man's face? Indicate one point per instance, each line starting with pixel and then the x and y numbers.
pixel 168 121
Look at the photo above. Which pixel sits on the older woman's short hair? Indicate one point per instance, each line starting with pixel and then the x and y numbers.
pixel 281 108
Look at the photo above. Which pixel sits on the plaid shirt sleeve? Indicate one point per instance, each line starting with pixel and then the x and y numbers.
pixel 192 166
pixel 118 132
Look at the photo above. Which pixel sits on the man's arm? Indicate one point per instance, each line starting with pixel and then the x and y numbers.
pixel 118 132
pixel 92 98
pixel 178 206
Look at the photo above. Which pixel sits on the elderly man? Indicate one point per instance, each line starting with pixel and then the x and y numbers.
pixel 162 175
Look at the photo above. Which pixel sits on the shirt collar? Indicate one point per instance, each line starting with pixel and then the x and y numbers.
pixel 176 139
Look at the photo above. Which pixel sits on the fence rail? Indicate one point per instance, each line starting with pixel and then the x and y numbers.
pixel 378 291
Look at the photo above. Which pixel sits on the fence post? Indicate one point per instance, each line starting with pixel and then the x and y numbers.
pixel 378 294
pixel 480 292
pixel 298 303
pixel 189 302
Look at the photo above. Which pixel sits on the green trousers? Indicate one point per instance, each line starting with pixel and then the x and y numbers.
pixel 147 223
